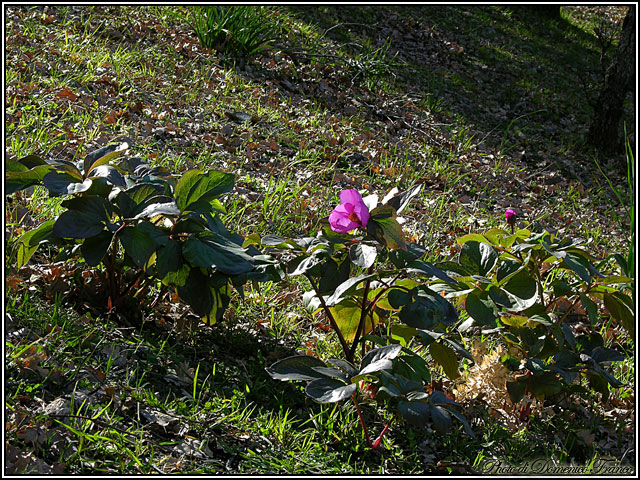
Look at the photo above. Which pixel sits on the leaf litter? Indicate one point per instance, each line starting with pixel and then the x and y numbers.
pixel 357 127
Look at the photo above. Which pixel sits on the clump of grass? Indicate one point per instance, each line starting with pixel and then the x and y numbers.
pixel 239 30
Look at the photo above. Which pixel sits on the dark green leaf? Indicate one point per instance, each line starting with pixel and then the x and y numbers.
pixel 327 390
pixel 398 298
pixel 561 288
pixel 347 367
pixel 297 367
pixel 168 259
pixel 446 357
pixel 402 258
pixel 427 336
pixel 331 372
pixel 416 413
pixel 506 269
pixel 333 275
pixel 387 231
pixel 138 244
pixel 31 161
pixel 464 422
pixel 602 354
pixel 427 310
pixel 169 209
pixel 578 264
pixel 362 255
pixel 95 248
pixel 620 312
pixel 523 287
pixel 102 156
pixel 94 206
pixel 461 351
pixel 441 419
pixel 301 265
pixel 63 183
pixel 400 201
pixel 516 391
pixel 28 242
pixel 480 258
pixel 431 270
pixel 77 224
pixel 21 179
pixel 599 384
pixel 565 359
pixel 111 174
pixel 346 288
pixel 481 308
pixel 376 366
pixel 388 352
pixel 439 398
pixel 546 384
pixel 217 252
pixel 195 185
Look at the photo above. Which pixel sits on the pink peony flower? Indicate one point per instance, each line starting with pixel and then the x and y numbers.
pixel 350 214
pixel 510 215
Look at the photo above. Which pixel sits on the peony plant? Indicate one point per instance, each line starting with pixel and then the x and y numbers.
pixel 372 287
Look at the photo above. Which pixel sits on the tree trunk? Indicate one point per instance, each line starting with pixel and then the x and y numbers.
pixel 605 132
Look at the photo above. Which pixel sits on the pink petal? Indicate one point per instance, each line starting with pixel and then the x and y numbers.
pixel 350 196
pixel 362 213
pixel 340 221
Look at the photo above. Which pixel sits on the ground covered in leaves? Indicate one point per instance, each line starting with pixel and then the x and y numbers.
pixel 487 107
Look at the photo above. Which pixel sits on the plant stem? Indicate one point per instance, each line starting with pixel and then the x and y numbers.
pixel 569 310
pixel 128 287
pixel 376 442
pixel 364 426
pixel 363 316
pixel 334 325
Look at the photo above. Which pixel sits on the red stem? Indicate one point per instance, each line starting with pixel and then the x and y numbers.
pixel 377 441
pixel 364 426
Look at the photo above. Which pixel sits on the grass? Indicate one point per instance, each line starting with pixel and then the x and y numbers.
pixel 358 111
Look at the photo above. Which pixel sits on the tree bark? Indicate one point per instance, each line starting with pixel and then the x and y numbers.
pixel 606 132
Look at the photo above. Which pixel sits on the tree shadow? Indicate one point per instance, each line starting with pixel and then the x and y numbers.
pixel 517 78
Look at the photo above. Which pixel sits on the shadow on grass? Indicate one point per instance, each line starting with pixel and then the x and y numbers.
pixel 518 78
